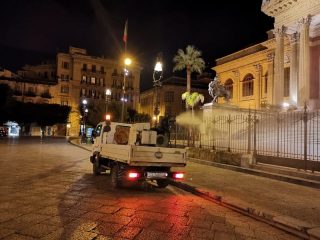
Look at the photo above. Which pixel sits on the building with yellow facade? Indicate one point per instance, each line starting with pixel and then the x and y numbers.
pixel 284 69
pixel 73 77
pixel 169 96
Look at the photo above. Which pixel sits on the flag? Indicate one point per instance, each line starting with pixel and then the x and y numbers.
pixel 125 33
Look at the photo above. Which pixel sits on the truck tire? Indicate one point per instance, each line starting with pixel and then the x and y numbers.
pixel 96 169
pixel 115 181
pixel 162 183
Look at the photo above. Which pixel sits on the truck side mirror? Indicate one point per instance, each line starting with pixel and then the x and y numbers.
pixel 106 128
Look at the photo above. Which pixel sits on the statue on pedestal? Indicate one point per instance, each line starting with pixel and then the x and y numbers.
pixel 216 89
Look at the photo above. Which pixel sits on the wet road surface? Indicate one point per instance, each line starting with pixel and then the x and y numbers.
pixel 48 192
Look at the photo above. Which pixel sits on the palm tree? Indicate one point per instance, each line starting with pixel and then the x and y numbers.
pixel 191 60
pixel 192 99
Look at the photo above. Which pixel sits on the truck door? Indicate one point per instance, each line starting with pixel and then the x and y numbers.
pixel 97 139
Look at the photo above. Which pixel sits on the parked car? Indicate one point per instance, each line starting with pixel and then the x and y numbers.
pixel 3 131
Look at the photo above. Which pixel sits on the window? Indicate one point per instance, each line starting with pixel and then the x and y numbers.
pixel 229 87
pixel 169 96
pixel 83 92
pixel 64 103
pixel 247 85
pixel 65 89
pixel 183 104
pixel 65 65
pixel 94 68
pixel 84 67
pixel 67 78
pixel 286 87
pixel 167 110
pixel 98 130
pixel 62 77
pixel 102 70
pixel 93 80
pixel 45 74
pixel 84 79
pixel 266 83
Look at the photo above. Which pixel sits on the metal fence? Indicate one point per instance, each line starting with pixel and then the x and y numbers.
pixel 291 135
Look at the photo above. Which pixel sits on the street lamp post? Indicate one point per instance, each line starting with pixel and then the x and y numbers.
pixel 68 129
pixel 157 76
pixel 108 94
pixel 127 62
pixel 85 111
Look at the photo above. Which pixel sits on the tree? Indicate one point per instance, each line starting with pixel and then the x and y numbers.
pixel 190 60
pixel 192 99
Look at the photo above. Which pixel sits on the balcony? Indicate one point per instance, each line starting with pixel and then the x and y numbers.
pixel 30 94
pixel 46 95
pixel 17 93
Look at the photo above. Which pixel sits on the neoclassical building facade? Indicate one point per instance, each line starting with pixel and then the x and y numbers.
pixel 283 70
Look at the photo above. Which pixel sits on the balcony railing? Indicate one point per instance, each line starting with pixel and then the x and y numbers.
pixel 46 95
pixel 30 94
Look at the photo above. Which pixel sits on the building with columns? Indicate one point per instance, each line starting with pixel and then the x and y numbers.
pixel 282 69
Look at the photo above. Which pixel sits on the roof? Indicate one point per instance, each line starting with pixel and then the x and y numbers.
pixel 30 80
pixel 201 83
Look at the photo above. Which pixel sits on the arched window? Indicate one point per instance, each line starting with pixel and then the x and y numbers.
pixel 247 85
pixel 229 87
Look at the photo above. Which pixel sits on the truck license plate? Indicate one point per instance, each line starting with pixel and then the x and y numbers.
pixel 157 175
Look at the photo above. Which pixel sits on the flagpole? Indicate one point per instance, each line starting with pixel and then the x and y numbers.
pixel 125 38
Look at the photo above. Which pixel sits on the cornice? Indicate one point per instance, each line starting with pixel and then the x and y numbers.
pixel 273 8
pixel 258 58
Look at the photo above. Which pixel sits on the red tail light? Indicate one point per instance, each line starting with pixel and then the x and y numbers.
pixel 133 175
pixel 178 175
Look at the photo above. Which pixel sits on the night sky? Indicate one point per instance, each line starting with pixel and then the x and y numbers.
pixel 35 30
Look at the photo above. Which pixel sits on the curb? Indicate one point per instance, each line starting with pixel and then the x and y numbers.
pixel 78 144
pixel 289 179
pixel 291 225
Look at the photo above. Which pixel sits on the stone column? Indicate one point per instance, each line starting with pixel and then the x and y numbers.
pixel 294 68
pixel 278 84
pixel 236 87
pixel 257 86
pixel 304 62
pixel 270 59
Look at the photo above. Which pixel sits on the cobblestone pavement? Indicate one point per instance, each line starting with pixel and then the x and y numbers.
pixel 48 192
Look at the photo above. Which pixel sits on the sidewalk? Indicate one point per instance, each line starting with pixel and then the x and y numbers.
pixel 289 206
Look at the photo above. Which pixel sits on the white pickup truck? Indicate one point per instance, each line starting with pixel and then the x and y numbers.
pixel 130 151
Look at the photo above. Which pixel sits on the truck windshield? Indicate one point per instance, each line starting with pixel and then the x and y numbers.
pixel 98 130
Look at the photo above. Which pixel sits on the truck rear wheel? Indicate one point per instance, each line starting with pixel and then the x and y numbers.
pixel 162 183
pixel 96 168
pixel 115 181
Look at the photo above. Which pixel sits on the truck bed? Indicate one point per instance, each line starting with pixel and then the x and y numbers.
pixel 145 155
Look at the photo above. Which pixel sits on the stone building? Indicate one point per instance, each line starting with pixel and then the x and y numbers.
pixel 29 86
pixel 73 77
pixel 284 69
pixel 169 96
pixel 81 76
